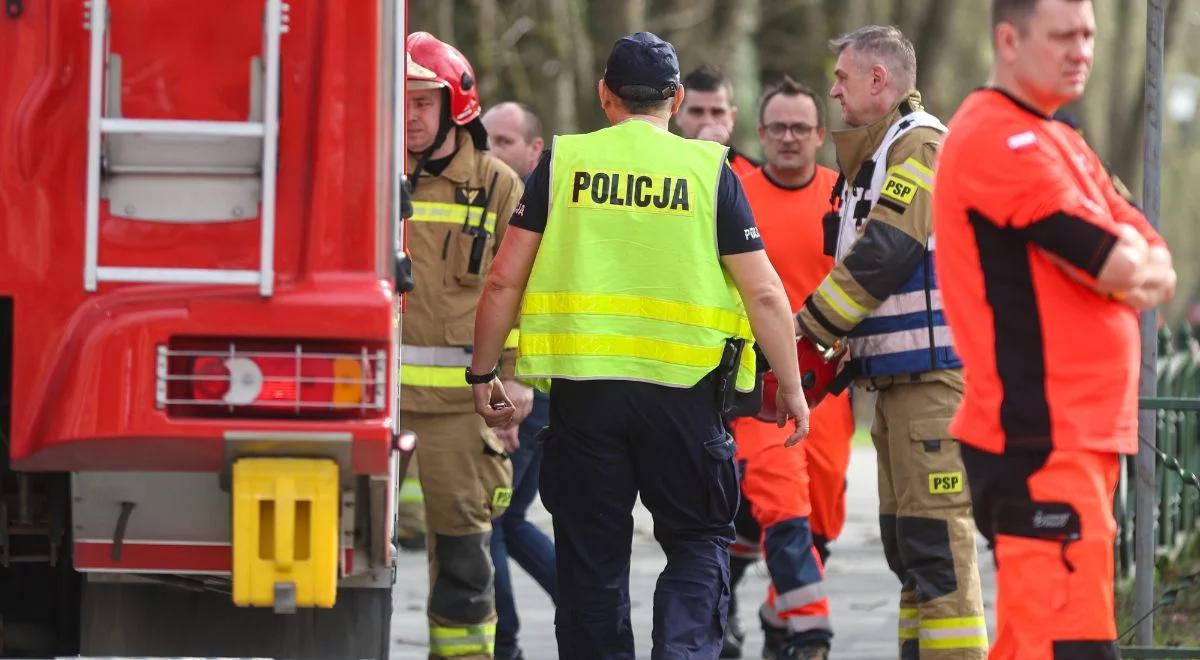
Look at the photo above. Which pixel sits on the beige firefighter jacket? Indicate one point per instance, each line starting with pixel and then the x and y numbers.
pixel 441 309
pixel 896 242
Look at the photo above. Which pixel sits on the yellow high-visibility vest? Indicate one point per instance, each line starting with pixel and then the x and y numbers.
pixel 628 283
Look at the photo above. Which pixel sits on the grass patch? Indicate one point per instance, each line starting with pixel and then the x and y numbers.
pixel 1176 623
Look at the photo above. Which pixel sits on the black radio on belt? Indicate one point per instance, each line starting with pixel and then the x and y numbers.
pixel 830 225
pixel 476 198
pixel 478 245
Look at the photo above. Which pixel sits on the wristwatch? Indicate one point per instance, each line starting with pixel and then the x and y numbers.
pixel 479 379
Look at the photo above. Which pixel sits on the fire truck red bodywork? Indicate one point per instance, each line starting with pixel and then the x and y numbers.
pixel 83 365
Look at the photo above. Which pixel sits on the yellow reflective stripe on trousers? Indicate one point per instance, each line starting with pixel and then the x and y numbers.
pixel 410 491
pixel 452 213
pixel 966 632
pixel 909 622
pixel 468 640
pixel 614 345
pixel 417 376
pixel 656 309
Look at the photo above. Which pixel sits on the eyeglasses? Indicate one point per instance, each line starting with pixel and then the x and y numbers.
pixel 779 129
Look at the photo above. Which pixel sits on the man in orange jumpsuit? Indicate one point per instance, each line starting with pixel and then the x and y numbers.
pixel 1043 267
pixel 789 196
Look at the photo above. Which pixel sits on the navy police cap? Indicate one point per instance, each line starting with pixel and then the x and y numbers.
pixel 642 67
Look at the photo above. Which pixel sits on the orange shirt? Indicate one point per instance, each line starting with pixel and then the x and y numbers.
pixel 1049 363
pixel 789 221
pixel 740 163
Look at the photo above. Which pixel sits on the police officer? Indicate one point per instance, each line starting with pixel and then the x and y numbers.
pixel 1046 267
pixel 462 198
pixel 883 296
pixel 643 277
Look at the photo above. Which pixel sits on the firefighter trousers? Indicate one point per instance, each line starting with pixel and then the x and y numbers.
pixel 1049 518
pixel 410 506
pixel 467 481
pixel 925 518
pixel 776 484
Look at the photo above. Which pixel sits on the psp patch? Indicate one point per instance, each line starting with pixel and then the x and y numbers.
pixel 899 189
pixel 501 497
pixel 944 483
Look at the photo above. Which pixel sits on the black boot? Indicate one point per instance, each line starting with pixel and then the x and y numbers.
pixel 778 644
pixel 805 651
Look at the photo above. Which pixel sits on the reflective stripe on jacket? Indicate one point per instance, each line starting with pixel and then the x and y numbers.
pixel 627 283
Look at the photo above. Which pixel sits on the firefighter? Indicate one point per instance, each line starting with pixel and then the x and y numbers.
pixel 634 249
pixel 882 299
pixel 515 136
pixel 789 197
pixel 708 113
pixel 1044 268
pixel 462 198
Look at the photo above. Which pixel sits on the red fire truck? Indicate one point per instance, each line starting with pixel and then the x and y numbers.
pixel 198 326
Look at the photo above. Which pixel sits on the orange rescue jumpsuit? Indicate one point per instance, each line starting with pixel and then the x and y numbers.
pixel 1026 216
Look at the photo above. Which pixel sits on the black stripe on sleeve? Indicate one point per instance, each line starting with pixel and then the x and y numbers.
pixel 1080 243
pixel 1017 324
pixel 822 320
pixel 891 205
pixel 882 258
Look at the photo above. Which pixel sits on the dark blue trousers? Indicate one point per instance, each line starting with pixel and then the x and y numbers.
pixel 607 442
pixel 514 536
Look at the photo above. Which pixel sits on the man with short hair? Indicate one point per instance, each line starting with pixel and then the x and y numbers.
pixel 515 136
pixel 708 113
pixel 882 299
pixel 1044 268
pixel 790 196
pixel 639 277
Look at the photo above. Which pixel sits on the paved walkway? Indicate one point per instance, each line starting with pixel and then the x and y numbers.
pixel 862 591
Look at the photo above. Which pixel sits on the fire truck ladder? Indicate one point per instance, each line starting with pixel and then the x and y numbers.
pixel 182 171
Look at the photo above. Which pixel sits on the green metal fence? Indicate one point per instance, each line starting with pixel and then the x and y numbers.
pixel 1178 439
pixel 1177 506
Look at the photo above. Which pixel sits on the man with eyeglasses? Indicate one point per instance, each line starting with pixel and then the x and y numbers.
pixel 793 497
pixel 883 300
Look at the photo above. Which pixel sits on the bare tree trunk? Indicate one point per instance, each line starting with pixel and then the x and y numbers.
pixel 1129 141
pixel 679 23
pixel 584 63
pixel 445 21
pixel 488 26
pixel 931 38
pixel 635 16
pixel 736 37
pixel 564 79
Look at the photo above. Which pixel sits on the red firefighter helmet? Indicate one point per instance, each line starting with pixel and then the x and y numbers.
pixel 434 64
pixel 818 367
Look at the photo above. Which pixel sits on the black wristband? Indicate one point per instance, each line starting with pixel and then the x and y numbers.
pixel 479 379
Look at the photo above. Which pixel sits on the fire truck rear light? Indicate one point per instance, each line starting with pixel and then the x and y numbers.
pixel 212 378
pixel 244 378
